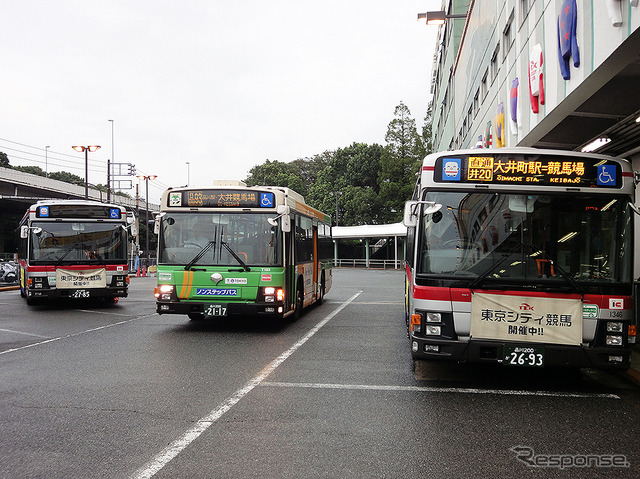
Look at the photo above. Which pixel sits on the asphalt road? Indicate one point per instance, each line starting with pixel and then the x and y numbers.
pixel 116 391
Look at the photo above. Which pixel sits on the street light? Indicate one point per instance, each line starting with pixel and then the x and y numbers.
pixel 438 17
pixel 86 149
pixel 146 179
pixel 46 161
pixel 109 166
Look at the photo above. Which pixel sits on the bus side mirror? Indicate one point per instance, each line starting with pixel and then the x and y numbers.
pixel 410 218
pixel 156 225
pixel 24 232
pixel 283 212
pixel 411 208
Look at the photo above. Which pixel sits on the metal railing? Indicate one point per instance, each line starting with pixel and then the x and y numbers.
pixel 373 263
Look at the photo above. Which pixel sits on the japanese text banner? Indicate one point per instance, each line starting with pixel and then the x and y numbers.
pixel 526 319
pixel 70 279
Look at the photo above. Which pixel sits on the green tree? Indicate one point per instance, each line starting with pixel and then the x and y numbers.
pixel 276 173
pixel 33 170
pixel 347 187
pixel 427 130
pixel 4 160
pixel 67 177
pixel 400 163
pixel 309 168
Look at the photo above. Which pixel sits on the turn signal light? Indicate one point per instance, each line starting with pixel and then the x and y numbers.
pixel 632 333
pixel 416 323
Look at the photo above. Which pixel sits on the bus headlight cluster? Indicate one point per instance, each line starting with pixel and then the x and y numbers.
pixel 163 292
pixel 272 294
pixel 429 318
pixel 614 339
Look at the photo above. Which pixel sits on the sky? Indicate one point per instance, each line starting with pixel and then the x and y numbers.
pixel 220 85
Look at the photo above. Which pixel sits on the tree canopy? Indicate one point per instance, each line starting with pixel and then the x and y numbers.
pixel 360 183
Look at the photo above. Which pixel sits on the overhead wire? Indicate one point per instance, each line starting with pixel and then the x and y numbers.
pixel 44 156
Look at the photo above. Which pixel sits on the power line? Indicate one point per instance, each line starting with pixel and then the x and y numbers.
pixel 52 157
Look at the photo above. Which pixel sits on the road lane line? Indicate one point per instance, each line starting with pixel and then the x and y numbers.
pixel 20 332
pixel 176 447
pixel 504 392
pixel 51 340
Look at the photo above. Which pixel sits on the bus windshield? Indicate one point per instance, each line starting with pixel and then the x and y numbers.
pixel 77 242
pixel 510 239
pixel 249 235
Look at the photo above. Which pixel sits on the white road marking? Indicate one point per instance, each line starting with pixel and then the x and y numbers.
pixel 40 343
pixel 176 447
pixel 503 392
pixel 20 332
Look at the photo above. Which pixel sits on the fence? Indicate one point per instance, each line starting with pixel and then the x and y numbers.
pixel 373 263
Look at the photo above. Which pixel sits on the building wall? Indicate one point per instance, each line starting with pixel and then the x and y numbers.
pixel 496 49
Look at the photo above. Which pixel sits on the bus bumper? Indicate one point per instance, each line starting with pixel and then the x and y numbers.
pixel 481 351
pixel 55 293
pixel 232 309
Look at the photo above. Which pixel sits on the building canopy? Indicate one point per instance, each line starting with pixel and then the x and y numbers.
pixel 368 231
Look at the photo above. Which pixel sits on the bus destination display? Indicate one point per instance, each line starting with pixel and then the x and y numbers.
pixel 222 199
pixel 521 170
pixel 78 211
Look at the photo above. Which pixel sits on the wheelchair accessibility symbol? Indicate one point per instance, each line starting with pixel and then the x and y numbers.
pixel 114 213
pixel 607 175
pixel 266 200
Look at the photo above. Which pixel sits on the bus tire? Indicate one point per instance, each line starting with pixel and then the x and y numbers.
pixel 297 312
pixel 321 292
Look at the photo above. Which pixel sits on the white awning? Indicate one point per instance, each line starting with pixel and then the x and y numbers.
pixel 369 231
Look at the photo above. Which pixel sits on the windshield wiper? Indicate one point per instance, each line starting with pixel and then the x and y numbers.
pixel 66 253
pixel 563 273
pixel 200 254
pixel 233 253
pixel 476 282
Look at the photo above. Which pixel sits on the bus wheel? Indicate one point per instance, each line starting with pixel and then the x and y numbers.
pixel 299 304
pixel 196 316
pixel 321 292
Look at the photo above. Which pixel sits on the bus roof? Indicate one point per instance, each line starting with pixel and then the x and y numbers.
pixel 283 195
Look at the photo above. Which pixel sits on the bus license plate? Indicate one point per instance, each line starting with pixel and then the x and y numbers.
pixel 80 293
pixel 215 310
pixel 531 356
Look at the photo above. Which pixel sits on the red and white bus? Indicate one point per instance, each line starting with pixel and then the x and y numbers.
pixel 74 249
pixel 521 257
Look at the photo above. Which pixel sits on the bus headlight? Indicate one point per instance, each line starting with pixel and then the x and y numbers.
pixel 432 330
pixel 613 340
pixel 434 317
pixel 614 327
pixel 163 292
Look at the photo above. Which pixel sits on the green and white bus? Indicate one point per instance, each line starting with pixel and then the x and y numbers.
pixel 230 249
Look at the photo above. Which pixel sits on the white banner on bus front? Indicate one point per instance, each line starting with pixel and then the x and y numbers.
pixel 90 278
pixel 526 319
